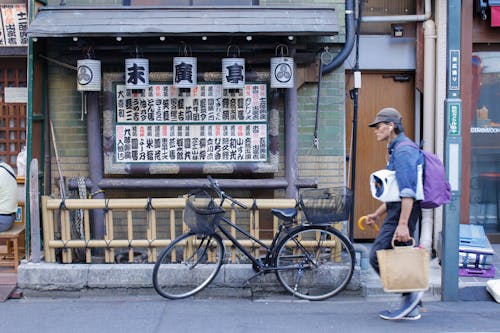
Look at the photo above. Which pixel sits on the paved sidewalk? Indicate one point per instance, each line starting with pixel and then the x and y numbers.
pixel 470 288
pixel 119 279
pixel 8 281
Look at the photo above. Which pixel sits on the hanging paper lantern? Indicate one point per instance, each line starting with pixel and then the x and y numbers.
pixel 185 68
pixel 185 72
pixel 137 73
pixel 233 71
pixel 282 69
pixel 88 75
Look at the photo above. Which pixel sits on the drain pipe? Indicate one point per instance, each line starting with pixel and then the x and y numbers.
pixel 349 40
pixel 428 121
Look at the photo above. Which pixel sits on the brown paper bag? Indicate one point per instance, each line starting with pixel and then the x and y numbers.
pixel 404 268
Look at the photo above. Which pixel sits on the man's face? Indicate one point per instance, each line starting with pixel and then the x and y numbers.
pixel 383 131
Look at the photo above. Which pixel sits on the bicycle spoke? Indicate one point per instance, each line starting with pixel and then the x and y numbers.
pixel 187 265
pixel 314 262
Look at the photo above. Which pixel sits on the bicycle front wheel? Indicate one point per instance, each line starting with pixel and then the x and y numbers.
pixel 314 262
pixel 188 265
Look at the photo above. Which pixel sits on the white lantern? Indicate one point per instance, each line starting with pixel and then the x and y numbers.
pixel 185 68
pixel 233 72
pixel 88 75
pixel 282 69
pixel 137 73
pixel 185 72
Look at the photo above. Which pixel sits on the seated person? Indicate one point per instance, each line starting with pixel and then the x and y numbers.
pixel 8 196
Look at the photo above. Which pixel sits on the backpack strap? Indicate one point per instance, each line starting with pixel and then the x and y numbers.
pixel 10 172
pixel 407 143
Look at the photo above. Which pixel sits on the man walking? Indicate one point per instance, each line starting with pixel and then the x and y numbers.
pixel 402 216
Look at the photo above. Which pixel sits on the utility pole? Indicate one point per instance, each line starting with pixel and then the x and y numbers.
pixel 453 154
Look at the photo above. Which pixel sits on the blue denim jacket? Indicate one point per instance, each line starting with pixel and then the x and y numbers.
pixel 404 160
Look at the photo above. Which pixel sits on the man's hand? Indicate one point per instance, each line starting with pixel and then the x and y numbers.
pixel 371 218
pixel 402 233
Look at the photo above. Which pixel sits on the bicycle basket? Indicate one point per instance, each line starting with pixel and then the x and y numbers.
pixel 201 213
pixel 326 205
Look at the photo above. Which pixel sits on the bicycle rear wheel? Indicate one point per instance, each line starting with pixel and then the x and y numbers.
pixel 188 265
pixel 314 262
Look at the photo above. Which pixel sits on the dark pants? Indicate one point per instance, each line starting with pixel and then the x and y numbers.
pixel 6 222
pixel 386 232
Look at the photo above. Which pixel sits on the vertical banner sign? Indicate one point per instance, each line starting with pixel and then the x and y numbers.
pixel 13 25
pixel 454 71
pixel 454 116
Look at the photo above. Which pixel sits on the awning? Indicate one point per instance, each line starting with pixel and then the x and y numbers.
pixel 123 21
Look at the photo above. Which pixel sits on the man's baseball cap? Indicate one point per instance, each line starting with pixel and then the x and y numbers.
pixel 386 115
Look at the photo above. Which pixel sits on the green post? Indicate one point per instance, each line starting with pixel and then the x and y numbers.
pixel 453 155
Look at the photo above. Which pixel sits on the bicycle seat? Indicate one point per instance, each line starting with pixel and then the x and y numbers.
pixel 286 214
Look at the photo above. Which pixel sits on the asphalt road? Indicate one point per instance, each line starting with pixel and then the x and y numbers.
pixel 278 314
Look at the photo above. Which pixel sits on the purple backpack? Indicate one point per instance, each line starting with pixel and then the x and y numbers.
pixel 437 191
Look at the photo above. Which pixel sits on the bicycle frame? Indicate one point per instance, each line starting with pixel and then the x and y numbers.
pixel 235 242
pixel 269 249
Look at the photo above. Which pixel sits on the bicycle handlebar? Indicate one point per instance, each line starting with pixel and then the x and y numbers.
pixel 215 186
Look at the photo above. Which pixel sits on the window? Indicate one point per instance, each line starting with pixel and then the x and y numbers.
pixel 485 141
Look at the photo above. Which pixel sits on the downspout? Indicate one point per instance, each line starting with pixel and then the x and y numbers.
pixel 29 145
pixel 428 121
pixel 349 40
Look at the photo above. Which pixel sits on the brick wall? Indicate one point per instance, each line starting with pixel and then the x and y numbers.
pixel 65 105
pixel 327 163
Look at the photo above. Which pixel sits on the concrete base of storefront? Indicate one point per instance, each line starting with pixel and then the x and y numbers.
pixel 60 279
pixel 74 280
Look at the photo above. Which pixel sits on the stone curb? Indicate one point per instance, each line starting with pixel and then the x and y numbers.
pixel 101 279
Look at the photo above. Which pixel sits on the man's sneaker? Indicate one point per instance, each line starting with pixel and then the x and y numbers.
pixel 409 304
pixel 396 315
pixel 413 315
pixel 387 315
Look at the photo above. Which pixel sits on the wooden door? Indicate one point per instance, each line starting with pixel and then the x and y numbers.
pixel 378 90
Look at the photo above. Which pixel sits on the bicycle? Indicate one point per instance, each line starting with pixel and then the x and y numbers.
pixel 311 259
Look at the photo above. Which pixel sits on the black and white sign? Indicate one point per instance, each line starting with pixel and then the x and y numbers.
pixel 210 124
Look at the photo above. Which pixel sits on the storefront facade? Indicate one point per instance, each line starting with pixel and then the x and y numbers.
pixel 164 138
